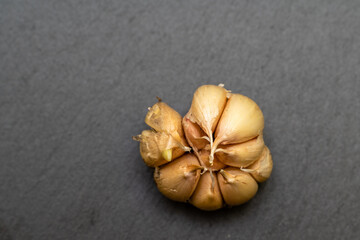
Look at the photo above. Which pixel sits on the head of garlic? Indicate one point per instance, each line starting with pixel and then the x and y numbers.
pixel 228 154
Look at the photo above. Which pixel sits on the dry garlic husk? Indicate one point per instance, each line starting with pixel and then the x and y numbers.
pixel 241 120
pixel 237 187
pixel 194 134
pixel 163 118
pixel 158 148
pixel 241 154
pixel 178 179
pixel 207 194
pixel 262 168
pixel 206 108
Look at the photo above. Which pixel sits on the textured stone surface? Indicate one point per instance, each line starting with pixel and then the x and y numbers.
pixel 77 76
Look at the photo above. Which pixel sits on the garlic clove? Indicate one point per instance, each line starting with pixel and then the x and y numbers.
pixel 207 106
pixel 204 157
pixel 240 121
pixel 262 168
pixel 177 180
pixel 158 148
pixel 207 194
pixel 163 118
pixel 241 154
pixel 236 186
pixel 194 134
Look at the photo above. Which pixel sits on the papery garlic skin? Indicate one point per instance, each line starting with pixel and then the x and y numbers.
pixel 163 118
pixel 241 154
pixel 178 179
pixel 237 187
pixel 207 194
pixel 262 168
pixel 207 106
pixel 158 148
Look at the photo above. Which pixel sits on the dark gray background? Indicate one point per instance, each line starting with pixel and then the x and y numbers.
pixel 77 78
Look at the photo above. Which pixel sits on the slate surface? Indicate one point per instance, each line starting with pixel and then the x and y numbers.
pixel 76 80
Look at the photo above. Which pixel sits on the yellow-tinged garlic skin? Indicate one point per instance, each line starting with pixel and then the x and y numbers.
pixel 262 168
pixel 241 154
pixel 241 120
pixel 236 186
pixel 194 134
pixel 207 105
pixel 158 148
pixel 163 118
pixel 207 194
pixel 178 179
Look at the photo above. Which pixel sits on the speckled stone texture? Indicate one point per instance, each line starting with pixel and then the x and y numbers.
pixel 76 80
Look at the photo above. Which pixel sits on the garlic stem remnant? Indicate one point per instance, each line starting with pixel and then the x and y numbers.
pixel 224 132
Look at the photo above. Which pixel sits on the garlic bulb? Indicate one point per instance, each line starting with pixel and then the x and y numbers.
pixel 177 180
pixel 228 154
pixel 158 148
pixel 262 168
pixel 241 154
pixel 237 187
pixel 207 194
